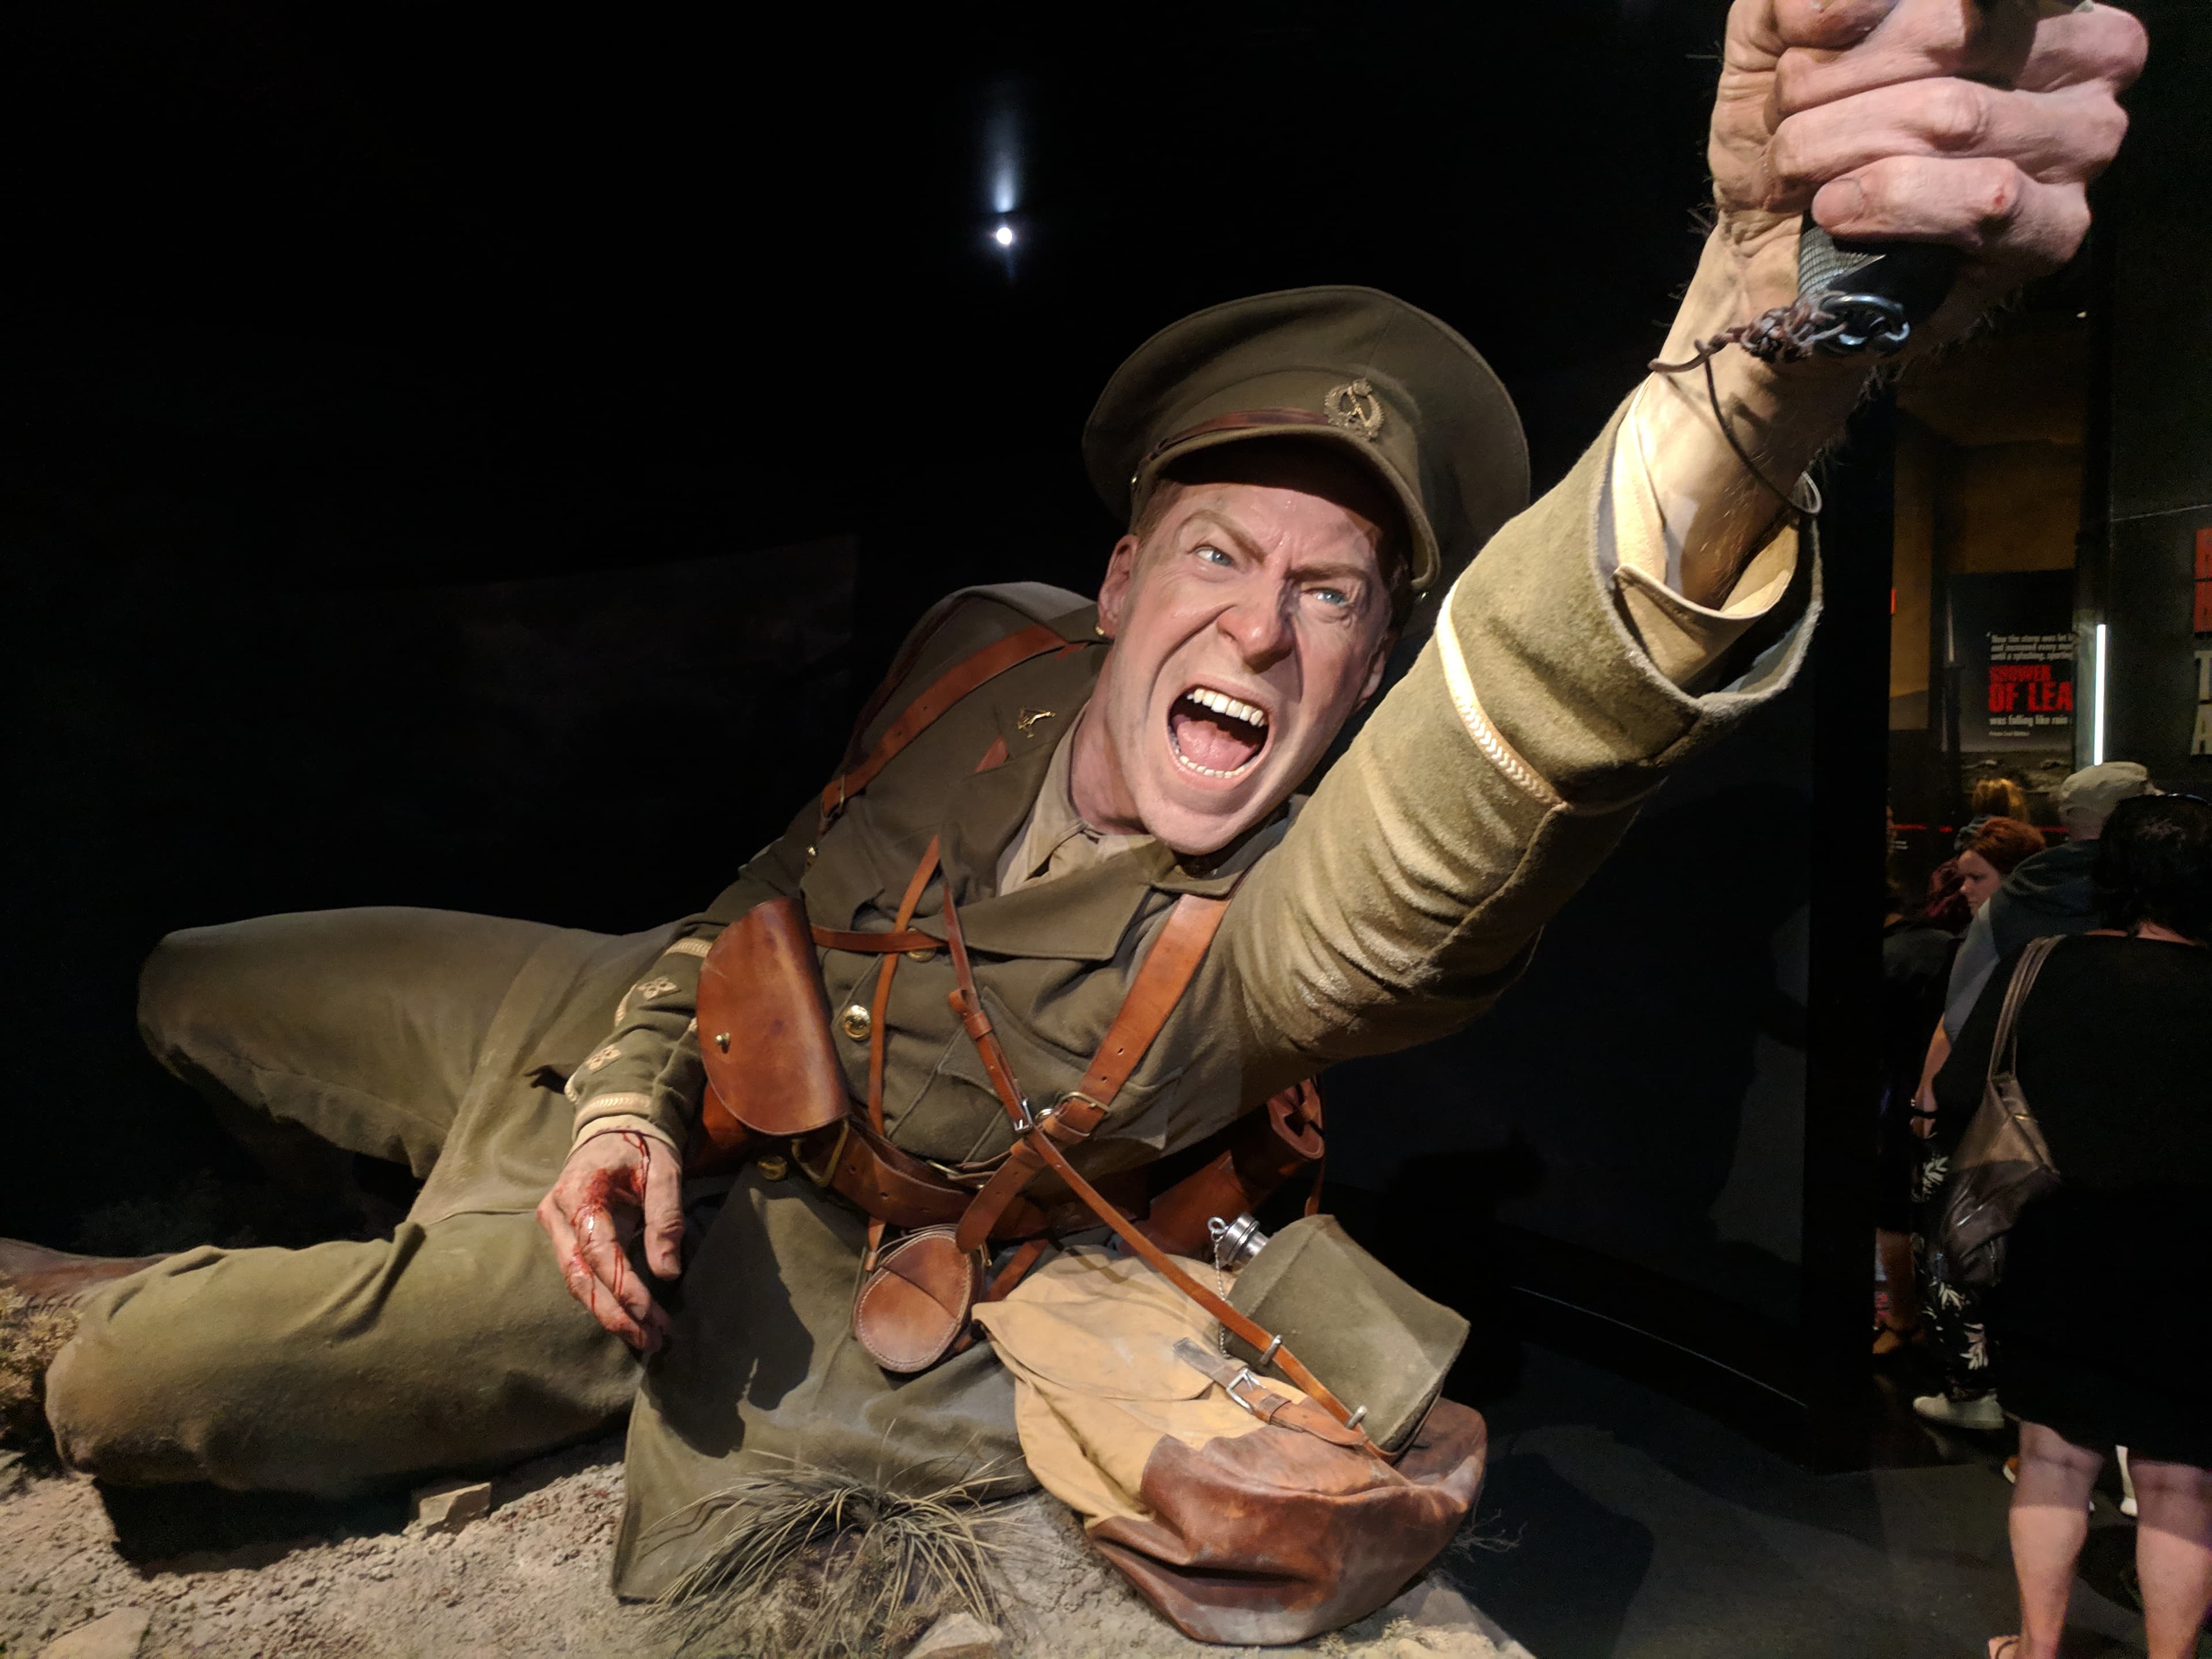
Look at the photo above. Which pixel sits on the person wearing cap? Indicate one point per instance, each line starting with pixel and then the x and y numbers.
pixel 1307 477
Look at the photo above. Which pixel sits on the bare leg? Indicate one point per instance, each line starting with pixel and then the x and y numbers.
pixel 2174 1554
pixel 2049 1520
pixel 1897 1269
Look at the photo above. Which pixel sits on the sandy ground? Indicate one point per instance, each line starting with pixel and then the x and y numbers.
pixel 247 1575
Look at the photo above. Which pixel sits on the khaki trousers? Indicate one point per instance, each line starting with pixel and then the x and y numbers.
pixel 436 1039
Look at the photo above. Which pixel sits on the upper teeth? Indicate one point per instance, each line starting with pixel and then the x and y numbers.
pixel 1221 703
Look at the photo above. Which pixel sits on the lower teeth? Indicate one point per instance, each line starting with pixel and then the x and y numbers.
pixel 1209 771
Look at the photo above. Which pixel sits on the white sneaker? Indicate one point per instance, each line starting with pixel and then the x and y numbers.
pixel 1982 1411
pixel 2127 1487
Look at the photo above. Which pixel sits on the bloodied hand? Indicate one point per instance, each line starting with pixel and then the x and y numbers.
pixel 612 1186
pixel 1978 123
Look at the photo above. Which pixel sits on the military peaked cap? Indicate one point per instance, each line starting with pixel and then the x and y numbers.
pixel 1387 383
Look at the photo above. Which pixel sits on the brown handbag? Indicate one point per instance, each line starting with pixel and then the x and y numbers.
pixel 2003 1163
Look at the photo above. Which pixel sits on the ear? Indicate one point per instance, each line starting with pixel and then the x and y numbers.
pixel 1381 661
pixel 1113 592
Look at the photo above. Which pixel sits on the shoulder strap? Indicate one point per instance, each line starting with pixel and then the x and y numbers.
pixel 2004 1047
pixel 1160 983
pixel 956 683
pixel 1159 986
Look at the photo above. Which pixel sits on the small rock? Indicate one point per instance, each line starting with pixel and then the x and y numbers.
pixel 114 1636
pixel 956 1635
pixel 450 1504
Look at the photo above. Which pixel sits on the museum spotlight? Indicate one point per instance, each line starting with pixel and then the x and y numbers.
pixel 1004 235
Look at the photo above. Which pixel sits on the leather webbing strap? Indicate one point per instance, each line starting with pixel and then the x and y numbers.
pixel 968 1006
pixel 871 944
pixel 1039 1139
pixel 1160 983
pixel 948 688
pixel 1161 1263
pixel 916 884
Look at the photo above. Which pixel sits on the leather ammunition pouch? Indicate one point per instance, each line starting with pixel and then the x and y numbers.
pixel 764 1039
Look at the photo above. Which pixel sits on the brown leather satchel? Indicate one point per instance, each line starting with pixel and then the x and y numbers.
pixel 764 1037
pixel 1237 1505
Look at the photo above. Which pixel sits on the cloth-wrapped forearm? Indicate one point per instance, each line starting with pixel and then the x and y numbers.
pixel 1486 788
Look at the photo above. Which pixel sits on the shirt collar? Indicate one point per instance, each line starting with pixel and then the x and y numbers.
pixel 1053 823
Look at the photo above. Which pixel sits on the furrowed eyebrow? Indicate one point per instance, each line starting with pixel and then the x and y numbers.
pixel 1340 572
pixel 1229 530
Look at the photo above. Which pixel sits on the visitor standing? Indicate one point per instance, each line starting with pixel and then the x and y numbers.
pixel 2106 1334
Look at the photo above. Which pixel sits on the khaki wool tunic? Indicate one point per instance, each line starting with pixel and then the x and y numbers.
pixel 1393 906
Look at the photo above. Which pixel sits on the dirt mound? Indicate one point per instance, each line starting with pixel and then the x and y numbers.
pixel 240 1575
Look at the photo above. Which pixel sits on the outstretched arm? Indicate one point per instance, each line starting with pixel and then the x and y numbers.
pixel 1572 663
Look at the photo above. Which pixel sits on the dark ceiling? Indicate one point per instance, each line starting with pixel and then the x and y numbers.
pixel 588 289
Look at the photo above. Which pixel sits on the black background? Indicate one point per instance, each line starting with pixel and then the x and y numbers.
pixel 470 462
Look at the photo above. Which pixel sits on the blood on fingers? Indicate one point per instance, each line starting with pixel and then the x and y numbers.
pixel 595 1206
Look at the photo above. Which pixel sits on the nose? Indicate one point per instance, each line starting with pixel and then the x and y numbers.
pixel 1259 625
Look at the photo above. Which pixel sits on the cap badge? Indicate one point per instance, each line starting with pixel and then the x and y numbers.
pixel 1354 407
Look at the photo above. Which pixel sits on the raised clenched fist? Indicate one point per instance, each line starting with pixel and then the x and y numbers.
pixel 1974 123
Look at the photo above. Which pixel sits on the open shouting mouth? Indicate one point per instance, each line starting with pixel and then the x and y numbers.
pixel 1214 734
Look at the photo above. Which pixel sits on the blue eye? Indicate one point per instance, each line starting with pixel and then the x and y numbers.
pixel 1334 596
pixel 1214 554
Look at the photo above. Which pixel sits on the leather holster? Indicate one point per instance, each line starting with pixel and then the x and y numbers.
pixel 764 1037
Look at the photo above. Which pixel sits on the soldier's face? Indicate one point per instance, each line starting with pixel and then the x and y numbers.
pixel 1247 627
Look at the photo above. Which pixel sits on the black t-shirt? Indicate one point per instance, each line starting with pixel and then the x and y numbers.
pixel 2115 1060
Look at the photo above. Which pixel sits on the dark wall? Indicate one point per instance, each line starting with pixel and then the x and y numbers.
pixel 2153 414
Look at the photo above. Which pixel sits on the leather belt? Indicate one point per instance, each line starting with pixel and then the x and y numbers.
pixel 852 1160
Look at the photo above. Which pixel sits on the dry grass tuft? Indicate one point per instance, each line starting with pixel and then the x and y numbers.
pixel 31 1334
pixel 814 1564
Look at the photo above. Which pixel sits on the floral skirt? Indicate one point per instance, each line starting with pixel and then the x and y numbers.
pixel 1957 1315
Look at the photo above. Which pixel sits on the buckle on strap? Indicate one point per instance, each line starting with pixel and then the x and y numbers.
pixel 1244 1379
pixel 1058 1108
pixel 828 1165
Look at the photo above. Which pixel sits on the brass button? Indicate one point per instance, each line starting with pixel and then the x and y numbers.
pixel 773 1168
pixel 856 1023
pixel 922 955
pixel 811 856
